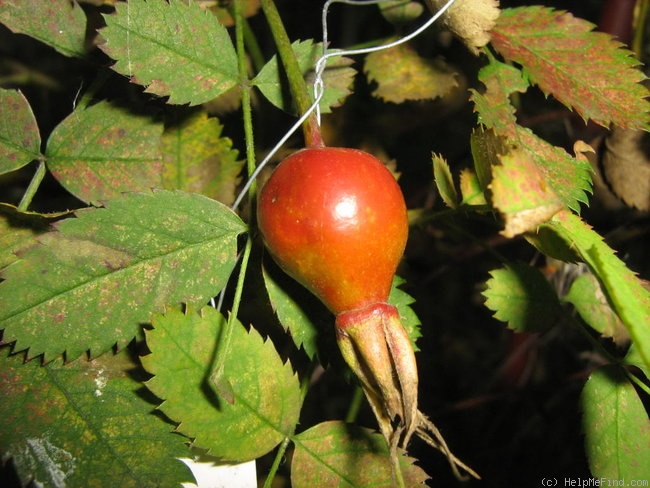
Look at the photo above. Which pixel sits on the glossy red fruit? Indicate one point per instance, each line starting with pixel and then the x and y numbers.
pixel 335 220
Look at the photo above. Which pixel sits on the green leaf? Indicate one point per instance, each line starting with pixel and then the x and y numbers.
pixel 307 319
pixel 401 74
pixel 85 424
pixel 57 23
pixel 634 358
pixel 338 454
pixel 588 298
pixel 267 397
pixel 521 296
pixel 624 291
pixel 102 151
pixel 298 311
pixel 568 177
pixel 20 139
pixel 90 284
pixel 174 48
pixel 616 427
pixel 18 230
pixel 337 78
pixel 585 70
pixel 402 301
pixel 197 159
pixel 444 181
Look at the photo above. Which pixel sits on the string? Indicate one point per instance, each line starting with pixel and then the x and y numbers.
pixel 318 84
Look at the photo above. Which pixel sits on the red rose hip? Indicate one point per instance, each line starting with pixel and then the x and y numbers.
pixel 335 220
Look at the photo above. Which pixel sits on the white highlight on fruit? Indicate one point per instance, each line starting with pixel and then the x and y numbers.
pixel 346 209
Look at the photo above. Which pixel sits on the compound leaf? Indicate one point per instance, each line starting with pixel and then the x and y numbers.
pixel 173 48
pixel 84 424
pixel 92 283
pixel 57 23
pixel 102 151
pixel 338 454
pixel 266 392
pixel 568 177
pixel 197 159
pixel 616 426
pixel 20 139
pixel 585 70
pixel 521 296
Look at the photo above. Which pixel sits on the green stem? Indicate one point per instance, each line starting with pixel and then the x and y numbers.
pixel 279 455
pixel 297 84
pixel 253 47
pixel 37 179
pixel 222 385
pixel 355 406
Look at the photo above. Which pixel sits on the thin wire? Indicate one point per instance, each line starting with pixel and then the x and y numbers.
pixel 319 86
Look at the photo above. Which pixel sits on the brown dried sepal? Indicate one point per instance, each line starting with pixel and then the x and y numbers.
pixel 470 20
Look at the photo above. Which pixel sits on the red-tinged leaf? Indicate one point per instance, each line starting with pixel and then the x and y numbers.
pixel 587 71
pixel 57 23
pixel 20 139
pixel 102 151
pixel 338 454
pixel 92 282
pixel 520 193
pixel 568 177
pixel 84 424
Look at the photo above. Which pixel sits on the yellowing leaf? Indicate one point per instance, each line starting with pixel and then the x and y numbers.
pixel 197 159
pixel 521 194
pixel 402 74
pixel 444 181
pixel 470 188
pixel 266 391
pixel 338 454
pixel 585 70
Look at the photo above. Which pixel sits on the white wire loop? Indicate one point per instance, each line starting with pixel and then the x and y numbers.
pixel 319 85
